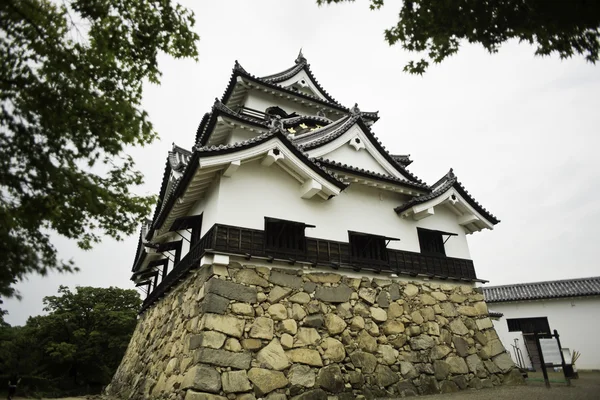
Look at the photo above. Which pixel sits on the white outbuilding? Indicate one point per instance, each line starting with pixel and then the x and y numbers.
pixel 571 307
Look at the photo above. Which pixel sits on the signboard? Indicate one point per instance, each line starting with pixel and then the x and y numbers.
pixel 550 351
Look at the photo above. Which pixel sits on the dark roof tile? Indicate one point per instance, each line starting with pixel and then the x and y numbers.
pixel 447 182
pixel 372 174
pixel 543 290
pixel 300 64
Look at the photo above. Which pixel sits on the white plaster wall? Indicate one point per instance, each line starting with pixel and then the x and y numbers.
pixel 209 205
pixel 346 154
pixel 302 75
pixel 261 101
pixel 254 192
pixel 238 135
pixel 577 321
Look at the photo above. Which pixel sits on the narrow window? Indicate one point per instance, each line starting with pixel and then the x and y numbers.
pixel 368 247
pixel 195 236
pixel 193 222
pixel 285 236
pixel 431 242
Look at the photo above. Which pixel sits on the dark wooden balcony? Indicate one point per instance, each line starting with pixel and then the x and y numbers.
pixel 250 243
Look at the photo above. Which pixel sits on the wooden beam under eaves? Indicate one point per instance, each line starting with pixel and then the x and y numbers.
pixel 231 168
pixel 272 156
pixel 467 219
pixel 424 214
pixel 310 188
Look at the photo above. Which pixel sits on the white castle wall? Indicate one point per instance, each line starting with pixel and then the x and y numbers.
pixel 273 193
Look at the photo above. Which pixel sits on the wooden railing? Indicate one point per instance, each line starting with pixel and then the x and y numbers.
pixel 251 243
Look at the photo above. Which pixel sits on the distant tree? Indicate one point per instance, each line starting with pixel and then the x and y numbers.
pixel 79 343
pixel 438 27
pixel 71 76
pixel 87 332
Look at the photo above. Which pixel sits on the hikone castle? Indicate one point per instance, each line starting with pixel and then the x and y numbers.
pixel 291 256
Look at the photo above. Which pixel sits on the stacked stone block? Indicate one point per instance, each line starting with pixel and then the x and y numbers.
pixel 255 332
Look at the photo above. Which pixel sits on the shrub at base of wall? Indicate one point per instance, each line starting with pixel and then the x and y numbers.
pixel 255 332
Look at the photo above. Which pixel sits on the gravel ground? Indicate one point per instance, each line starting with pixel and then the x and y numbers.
pixel 584 388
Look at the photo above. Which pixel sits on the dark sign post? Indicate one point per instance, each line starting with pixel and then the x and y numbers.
pixel 542 362
pixel 562 358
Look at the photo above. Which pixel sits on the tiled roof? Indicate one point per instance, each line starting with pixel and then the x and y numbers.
pixel 209 119
pixel 372 174
pixel 403 159
pixel 226 148
pixel 326 134
pixel 447 182
pixel 179 158
pixel 334 130
pixel 140 250
pixel 238 70
pixel 292 121
pixel 181 183
pixel 300 64
pixel 543 290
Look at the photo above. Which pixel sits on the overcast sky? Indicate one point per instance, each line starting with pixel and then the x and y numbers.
pixel 521 132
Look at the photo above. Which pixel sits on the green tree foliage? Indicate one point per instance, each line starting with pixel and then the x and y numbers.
pixel 71 76
pixel 438 27
pixel 79 343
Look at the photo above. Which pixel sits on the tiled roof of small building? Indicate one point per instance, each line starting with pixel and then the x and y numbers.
pixel 543 290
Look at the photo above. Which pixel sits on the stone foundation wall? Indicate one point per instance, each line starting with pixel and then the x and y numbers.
pixel 254 332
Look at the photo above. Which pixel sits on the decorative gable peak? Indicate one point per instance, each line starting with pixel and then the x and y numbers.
pixel 300 59
pixel 300 78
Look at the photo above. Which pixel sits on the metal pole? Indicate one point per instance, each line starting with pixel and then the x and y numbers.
pixel 521 357
pixel 539 349
pixel 562 358
pixel 518 354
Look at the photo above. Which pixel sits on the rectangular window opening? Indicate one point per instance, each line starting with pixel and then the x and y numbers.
pixel 431 242
pixel 364 246
pixel 285 236
pixel 529 325
pixel 196 232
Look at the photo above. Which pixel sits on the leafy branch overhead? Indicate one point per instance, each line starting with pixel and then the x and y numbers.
pixel 71 76
pixel 438 27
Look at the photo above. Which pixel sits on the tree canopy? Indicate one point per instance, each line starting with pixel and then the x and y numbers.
pixel 71 77
pixel 79 344
pixel 437 28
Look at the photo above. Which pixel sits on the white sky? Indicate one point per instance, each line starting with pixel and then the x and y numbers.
pixel 521 132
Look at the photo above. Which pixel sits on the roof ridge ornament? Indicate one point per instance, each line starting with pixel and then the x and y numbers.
pixel 355 111
pixel 451 174
pixel 276 124
pixel 238 67
pixel 300 59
